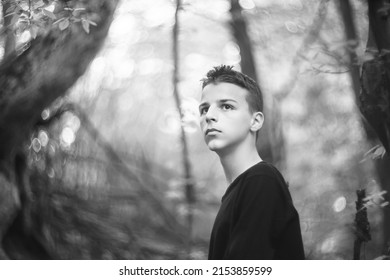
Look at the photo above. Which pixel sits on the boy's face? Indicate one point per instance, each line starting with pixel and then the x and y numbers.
pixel 225 118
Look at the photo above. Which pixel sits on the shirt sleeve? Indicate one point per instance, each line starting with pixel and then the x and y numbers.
pixel 259 215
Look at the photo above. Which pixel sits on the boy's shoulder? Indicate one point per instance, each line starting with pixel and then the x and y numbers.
pixel 261 177
pixel 265 178
pixel 264 169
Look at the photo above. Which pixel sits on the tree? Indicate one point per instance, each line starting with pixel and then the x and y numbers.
pixel 189 181
pixel 372 88
pixel 375 94
pixel 35 74
pixel 270 133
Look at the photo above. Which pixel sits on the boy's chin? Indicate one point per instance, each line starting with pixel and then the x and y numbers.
pixel 215 147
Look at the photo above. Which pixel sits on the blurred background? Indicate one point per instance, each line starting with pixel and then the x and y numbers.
pixel 116 166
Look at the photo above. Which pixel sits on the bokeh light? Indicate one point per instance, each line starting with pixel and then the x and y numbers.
pixel 247 4
pixel 45 114
pixel 170 122
pixel 36 145
pixel 339 204
pixel 67 136
pixel 43 138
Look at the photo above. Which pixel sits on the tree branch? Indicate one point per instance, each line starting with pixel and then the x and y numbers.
pixel 312 35
pixel 32 81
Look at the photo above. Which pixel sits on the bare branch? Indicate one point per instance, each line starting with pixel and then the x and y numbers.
pixel 311 37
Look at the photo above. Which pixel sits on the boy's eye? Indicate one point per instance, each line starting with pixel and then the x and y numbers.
pixel 203 110
pixel 226 107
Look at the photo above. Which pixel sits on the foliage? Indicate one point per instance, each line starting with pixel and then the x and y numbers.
pixel 36 16
pixel 362 226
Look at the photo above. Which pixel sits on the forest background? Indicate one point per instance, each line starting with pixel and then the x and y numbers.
pixel 101 156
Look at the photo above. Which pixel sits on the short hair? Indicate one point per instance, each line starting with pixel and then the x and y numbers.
pixel 226 74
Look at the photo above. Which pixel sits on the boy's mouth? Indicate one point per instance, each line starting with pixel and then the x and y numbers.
pixel 211 130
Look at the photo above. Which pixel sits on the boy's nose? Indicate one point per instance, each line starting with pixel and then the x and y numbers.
pixel 211 115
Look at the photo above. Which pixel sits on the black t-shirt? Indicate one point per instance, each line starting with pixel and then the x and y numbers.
pixel 257 219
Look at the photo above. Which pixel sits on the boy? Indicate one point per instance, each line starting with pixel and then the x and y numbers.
pixel 257 219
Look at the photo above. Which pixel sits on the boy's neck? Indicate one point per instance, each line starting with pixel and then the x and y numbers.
pixel 238 160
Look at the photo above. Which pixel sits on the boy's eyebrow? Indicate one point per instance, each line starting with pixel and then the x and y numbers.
pixel 203 104
pixel 225 100
pixel 219 101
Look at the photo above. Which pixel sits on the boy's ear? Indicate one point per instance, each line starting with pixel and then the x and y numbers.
pixel 257 121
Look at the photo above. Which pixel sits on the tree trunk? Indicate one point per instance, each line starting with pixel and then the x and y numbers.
pixel 372 89
pixel 375 96
pixel 31 81
pixel 189 181
pixel 271 131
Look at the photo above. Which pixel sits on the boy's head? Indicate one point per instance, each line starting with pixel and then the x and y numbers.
pixel 230 109
pixel 226 74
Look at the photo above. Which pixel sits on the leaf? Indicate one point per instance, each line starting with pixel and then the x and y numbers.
pixel 384 204
pixel 379 152
pixel 38 4
pixel 14 19
pixel 24 6
pixel 10 14
pixel 10 9
pixel 59 20
pixel 49 14
pixel 92 22
pixel 77 11
pixel 85 25
pixel 34 31
pixel 64 24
